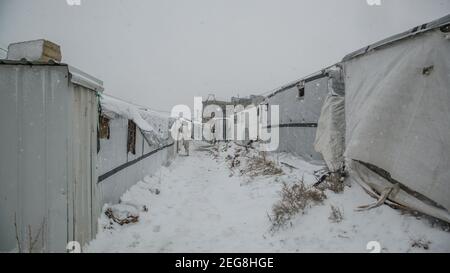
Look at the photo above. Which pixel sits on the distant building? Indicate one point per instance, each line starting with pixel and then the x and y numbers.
pixel 235 101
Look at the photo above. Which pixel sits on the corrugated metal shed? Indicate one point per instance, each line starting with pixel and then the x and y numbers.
pixel 49 121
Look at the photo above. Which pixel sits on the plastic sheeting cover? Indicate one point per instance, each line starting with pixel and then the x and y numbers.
pixel 330 136
pixel 160 123
pixel 398 113
pixel 375 184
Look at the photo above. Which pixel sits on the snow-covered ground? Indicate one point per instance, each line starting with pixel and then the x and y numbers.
pixel 200 204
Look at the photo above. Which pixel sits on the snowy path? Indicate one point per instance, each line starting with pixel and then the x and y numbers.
pixel 203 208
pixel 200 208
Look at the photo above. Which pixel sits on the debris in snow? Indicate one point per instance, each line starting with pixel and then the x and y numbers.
pixel 383 197
pixel 421 243
pixel 289 165
pixel 155 191
pixel 333 181
pixel 122 214
pixel 336 215
pixel 235 162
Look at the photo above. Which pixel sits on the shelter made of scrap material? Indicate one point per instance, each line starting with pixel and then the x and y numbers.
pixel 300 105
pixel 395 119
pixel 133 142
pixel 67 149
pixel 48 193
pixel 397 114
pixel 382 113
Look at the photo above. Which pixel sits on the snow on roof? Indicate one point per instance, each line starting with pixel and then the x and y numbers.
pixel 159 114
pixel 158 121
pixel 125 109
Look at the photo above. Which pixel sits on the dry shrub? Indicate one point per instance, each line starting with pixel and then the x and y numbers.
pixel 336 215
pixel 259 166
pixel 247 163
pixel 294 200
pixel 234 160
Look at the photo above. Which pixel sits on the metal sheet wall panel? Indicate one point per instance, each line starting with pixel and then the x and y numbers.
pixel 84 148
pixel 33 157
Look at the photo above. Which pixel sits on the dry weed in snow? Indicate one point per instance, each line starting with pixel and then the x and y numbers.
pixel 294 200
pixel 260 166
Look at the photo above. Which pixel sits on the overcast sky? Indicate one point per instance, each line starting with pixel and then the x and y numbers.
pixel 163 52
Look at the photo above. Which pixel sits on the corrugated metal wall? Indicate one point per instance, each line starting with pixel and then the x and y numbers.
pixel 49 193
pixel 84 206
pixel 47 168
pixel 33 158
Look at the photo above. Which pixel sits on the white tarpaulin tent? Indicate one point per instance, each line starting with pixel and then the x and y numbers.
pixel 300 105
pixel 330 136
pixel 397 112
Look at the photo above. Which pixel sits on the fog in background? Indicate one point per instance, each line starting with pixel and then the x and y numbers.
pixel 162 53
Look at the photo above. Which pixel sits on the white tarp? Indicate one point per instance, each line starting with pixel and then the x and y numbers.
pixel 398 112
pixel 375 185
pixel 296 112
pixel 160 123
pixel 330 136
